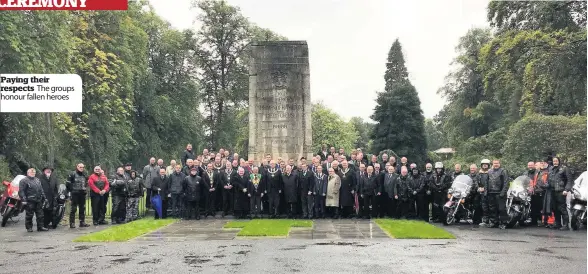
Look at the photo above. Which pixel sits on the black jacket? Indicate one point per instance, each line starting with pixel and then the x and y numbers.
pixel 162 184
pixel 193 187
pixel 77 182
pixel 560 179
pixel 118 185
pixel 49 187
pixel 274 181
pixel 306 182
pixel 256 189
pixel 321 182
pixel 369 185
pixel 176 181
pixel 135 187
pixel 404 187
pixel 497 181
pixel 187 155
pixel 30 190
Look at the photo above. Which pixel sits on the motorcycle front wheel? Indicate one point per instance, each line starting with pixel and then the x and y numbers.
pixel 7 214
pixel 513 218
pixel 576 221
pixel 449 218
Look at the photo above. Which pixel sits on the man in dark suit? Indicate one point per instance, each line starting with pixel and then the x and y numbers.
pixel 160 185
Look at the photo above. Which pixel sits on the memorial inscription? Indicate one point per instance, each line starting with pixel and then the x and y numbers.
pixel 279 101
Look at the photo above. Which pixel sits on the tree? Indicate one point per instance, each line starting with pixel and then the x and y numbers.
pixel 398 114
pixel 221 50
pixel 535 15
pixel 363 128
pixel 527 140
pixel 435 138
pixel 328 128
pixel 467 114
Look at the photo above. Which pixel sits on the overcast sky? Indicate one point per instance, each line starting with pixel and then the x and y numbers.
pixel 349 41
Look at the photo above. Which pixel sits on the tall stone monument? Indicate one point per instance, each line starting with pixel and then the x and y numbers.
pixel 279 101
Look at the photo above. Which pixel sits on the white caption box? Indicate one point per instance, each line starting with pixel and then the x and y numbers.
pixel 40 93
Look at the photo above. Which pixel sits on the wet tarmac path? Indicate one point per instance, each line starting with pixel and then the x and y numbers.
pixel 342 247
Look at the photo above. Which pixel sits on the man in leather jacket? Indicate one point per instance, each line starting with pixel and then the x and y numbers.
pixel 560 181
pixel 119 194
pixel 77 184
pixel 496 195
pixel 33 199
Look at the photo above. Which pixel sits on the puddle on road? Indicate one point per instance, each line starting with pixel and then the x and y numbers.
pixel 506 240
pixel 343 244
pixel 545 250
pixel 301 247
pixel 121 260
pixel 83 247
pixel 242 252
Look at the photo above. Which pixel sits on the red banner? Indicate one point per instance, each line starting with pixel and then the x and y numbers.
pixel 64 4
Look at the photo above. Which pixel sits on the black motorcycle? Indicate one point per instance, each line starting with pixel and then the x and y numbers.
pixel 59 209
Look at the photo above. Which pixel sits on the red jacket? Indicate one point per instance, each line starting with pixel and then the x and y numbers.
pixel 93 178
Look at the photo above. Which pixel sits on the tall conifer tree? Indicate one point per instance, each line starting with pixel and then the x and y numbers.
pixel 398 114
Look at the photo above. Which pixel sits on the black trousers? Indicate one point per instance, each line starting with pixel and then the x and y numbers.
pixel 561 209
pixel 381 205
pixel 211 203
pixel 368 201
pixel 439 199
pixel 476 206
pixel 274 203
pixel 148 199
pixel 291 209
pixel 192 209
pixel 228 201
pixel 119 206
pixel 496 208
pixel 255 203
pixel 319 206
pixel 34 208
pixel 78 200
pixel 47 217
pixel 404 208
pixel 98 207
pixel 536 207
pixel 304 203
pixel 177 205
pixel 164 206
pixel 422 202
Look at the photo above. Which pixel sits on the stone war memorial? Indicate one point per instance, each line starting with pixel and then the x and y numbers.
pixel 279 101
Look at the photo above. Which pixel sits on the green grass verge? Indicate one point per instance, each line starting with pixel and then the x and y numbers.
pixel 266 228
pixel 125 232
pixel 408 229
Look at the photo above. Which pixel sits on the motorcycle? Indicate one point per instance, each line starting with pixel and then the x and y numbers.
pixel 578 202
pixel 59 209
pixel 10 203
pixel 455 208
pixel 518 201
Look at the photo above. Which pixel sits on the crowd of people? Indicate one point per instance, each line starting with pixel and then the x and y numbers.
pixel 332 184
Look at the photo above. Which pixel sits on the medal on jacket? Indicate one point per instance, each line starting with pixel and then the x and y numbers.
pixel 345 172
pixel 229 176
pixel 273 172
pixel 211 175
pixel 255 180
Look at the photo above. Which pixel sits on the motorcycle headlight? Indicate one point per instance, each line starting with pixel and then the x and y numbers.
pixel 523 195
pixel 450 191
pixel 14 194
pixel 457 195
pixel 62 197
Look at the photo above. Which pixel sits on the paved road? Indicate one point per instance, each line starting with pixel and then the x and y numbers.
pixel 530 250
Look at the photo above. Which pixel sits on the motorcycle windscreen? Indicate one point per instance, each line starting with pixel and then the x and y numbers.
pixel 62 189
pixel 16 180
pixel 581 186
pixel 521 184
pixel 462 184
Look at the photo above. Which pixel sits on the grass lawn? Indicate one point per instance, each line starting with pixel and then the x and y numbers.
pixel 267 228
pixel 125 232
pixel 408 229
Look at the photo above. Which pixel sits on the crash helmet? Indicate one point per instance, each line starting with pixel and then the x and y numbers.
pixel 485 162
pixel 438 165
